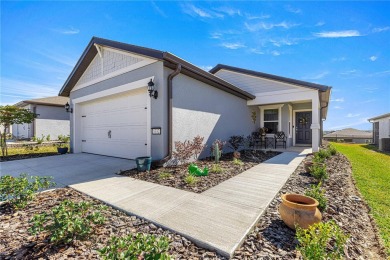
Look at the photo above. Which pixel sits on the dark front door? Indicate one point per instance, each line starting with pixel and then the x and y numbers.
pixel 302 127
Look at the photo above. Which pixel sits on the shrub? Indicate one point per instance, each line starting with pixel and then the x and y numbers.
pixel 198 146
pixel 237 162
pixel 187 149
pixel 63 140
pixel 332 150
pixel 318 171
pixel 68 221
pixel 321 241
pixel 235 142
pixel 164 175
pixel 40 140
pixel 20 190
pixel 190 179
pixel 323 154
pixel 139 246
pixel 48 138
pixel 216 168
pixel 317 193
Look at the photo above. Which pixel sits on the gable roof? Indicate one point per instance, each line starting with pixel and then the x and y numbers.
pixel 349 133
pixel 169 60
pixel 379 117
pixel 47 101
pixel 270 76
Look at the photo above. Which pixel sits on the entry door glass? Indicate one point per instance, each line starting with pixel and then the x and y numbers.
pixel 302 127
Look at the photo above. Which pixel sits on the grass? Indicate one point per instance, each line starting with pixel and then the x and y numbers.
pixel 164 175
pixel 27 150
pixel 190 179
pixel 371 172
pixel 216 168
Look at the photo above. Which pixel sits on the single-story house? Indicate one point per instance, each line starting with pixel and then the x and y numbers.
pixel 52 118
pixel 115 114
pixel 350 135
pixel 381 131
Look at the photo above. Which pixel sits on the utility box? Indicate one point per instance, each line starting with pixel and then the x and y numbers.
pixel 384 144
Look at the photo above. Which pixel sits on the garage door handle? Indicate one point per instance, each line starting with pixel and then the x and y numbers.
pixel 109 134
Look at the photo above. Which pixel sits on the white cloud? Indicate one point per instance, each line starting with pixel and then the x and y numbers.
pixel 229 11
pixel 368 101
pixel 380 73
pixel 268 26
pixel 232 46
pixel 338 107
pixel 282 42
pixel 356 122
pixel 339 59
pixel 349 72
pixel 337 100
pixel 373 58
pixel 338 34
pixel 158 9
pixel 294 10
pixel 261 16
pixel 381 29
pixel 256 51
pixel 317 76
pixel 57 57
pixel 216 35
pixel 320 23
pixel 69 31
pixel 275 53
pixel 352 115
pixel 194 11
pixel 206 67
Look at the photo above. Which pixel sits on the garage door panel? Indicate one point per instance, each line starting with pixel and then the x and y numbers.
pixel 125 117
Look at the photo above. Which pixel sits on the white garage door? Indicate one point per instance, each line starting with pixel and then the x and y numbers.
pixel 116 126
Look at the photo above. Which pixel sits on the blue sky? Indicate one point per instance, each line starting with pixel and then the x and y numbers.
pixel 345 45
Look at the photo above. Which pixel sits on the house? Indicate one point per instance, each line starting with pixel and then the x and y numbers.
pixel 381 131
pixel 52 118
pixel 131 101
pixel 350 135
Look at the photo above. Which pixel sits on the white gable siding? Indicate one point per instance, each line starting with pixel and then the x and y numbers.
pixel 111 64
pixel 253 84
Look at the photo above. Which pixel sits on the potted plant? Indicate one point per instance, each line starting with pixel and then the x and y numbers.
pixel 62 147
pixel 299 210
pixel 263 132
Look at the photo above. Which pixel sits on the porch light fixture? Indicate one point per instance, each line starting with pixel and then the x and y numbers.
pixel 68 108
pixel 152 91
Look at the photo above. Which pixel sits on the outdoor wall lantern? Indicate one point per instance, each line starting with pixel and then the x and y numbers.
pixel 152 91
pixel 68 108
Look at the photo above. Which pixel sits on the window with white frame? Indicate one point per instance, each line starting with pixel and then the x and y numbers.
pixel 270 118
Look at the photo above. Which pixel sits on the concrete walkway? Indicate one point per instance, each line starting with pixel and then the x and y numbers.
pixel 218 219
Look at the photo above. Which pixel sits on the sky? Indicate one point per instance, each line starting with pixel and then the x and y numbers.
pixel 345 45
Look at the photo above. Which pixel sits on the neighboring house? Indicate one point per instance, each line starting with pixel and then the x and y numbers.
pixel 114 115
pixel 52 118
pixel 350 135
pixel 381 131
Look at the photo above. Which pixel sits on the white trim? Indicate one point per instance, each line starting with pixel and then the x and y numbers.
pixel 149 125
pixel 112 91
pixel 279 107
pixel 290 117
pixel 277 97
pixel 294 116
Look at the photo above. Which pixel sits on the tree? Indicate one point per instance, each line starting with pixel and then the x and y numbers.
pixel 10 115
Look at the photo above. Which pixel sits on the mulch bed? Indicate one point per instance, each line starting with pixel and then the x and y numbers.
pixel 25 156
pixel 17 243
pixel 249 158
pixel 271 238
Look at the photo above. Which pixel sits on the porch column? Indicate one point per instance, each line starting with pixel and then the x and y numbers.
pixel 315 125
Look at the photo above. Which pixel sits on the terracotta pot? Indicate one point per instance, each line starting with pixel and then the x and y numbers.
pixel 299 210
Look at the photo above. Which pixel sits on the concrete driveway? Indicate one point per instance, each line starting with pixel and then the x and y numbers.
pixel 69 169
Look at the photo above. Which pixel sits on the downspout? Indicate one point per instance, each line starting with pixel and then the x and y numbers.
pixel 322 122
pixel 170 105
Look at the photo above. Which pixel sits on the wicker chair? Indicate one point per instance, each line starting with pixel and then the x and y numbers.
pixel 280 137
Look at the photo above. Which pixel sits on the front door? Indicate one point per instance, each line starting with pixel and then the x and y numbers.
pixel 302 127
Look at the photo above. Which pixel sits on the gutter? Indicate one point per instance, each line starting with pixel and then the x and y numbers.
pixel 170 105
pixel 322 122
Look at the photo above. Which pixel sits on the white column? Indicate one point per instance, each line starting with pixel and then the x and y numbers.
pixel 315 125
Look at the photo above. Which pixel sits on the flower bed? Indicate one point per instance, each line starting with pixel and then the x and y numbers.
pixel 176 176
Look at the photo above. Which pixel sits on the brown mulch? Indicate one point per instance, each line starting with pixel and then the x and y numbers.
pixel 25 156
pixel 271 238
pixel 17 243
pixel 249 159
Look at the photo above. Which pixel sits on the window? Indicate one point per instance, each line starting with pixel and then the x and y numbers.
pixel 271 120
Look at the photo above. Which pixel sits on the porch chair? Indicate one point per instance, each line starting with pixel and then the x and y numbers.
pixel 280 137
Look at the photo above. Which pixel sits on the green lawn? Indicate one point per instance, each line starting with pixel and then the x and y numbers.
pixel 371 171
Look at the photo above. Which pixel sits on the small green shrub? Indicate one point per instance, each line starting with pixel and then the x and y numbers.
pixel 323 153
pixel 164 175
pixel 191 180
pixel 237 162
pixel 317 193
pixel 135 247
pixel 40 140
pixel 321 241
pixel 48 138
pixel 318 171
pixel 68 221
pixel 332 150
pixel 20 190
pixel 34 139
pixel 216 168
pixel 63 140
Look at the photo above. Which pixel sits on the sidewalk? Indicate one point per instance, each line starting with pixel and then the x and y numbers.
pixel 217 219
